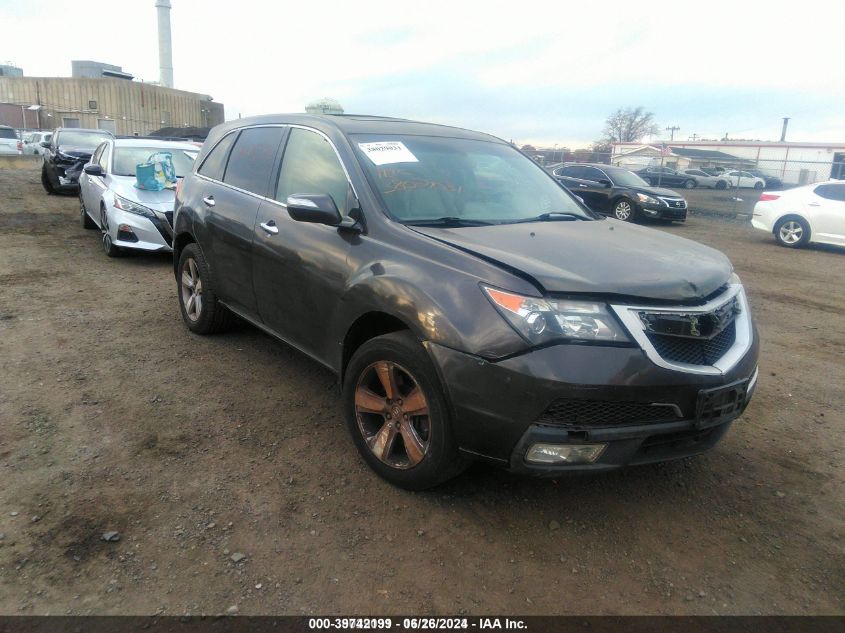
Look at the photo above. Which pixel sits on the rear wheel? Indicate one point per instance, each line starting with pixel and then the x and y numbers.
pixel 690 184
pixel 758 185
pixel 721 185
pixel 792 232
pixel 623 210
pixel 201 311
pixel 397 414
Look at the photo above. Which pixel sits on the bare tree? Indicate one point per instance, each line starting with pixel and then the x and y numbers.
pixel 629 125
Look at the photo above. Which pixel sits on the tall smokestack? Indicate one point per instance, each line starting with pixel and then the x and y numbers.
pixel 165 49
pixel 783 131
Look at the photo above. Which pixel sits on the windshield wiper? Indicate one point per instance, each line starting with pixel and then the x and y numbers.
pixel 553 216
pixel 448 221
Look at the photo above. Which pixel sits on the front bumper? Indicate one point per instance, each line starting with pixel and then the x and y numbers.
pixel 151 234
pixel 662 212
pixel 500 408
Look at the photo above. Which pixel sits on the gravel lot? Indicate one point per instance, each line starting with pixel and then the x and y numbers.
pixel 225 468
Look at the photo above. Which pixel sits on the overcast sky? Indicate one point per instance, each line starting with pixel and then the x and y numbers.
pixel 537 72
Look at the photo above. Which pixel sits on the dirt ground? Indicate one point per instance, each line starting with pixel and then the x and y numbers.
pixel 113 417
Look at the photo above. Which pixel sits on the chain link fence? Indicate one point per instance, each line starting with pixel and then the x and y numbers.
pixel 725 187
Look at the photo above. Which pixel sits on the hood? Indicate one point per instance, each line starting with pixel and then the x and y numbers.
pixel 124 186
pixel 597 257
pixel 76 152
pixel 657 191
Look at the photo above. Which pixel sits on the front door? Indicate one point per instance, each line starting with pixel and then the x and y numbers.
pixel 300 268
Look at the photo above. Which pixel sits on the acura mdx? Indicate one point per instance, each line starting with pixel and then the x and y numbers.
pixel 472 308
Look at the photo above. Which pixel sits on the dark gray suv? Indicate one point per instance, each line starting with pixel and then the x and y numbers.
pixel 472 308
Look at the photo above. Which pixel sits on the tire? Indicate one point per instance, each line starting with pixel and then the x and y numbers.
pixel 721 184
pixel 205 314
pixel 792 232
pixel 690 184
pixel 109 248
pixel 85 219
pixel 759 186
pixel 624 210
pixel 45 182
pixel 380 424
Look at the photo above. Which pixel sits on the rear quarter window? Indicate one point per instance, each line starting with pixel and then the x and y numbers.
pixel 215 163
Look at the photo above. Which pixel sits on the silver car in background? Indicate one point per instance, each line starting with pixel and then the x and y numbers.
pixel 703 179
pixel 130 218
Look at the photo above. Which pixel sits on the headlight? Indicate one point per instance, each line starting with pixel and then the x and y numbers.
pixel 546 320
pixel 647 199
pixel 734 279
pixel 132 207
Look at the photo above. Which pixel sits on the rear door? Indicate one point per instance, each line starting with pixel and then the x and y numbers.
pixel 230 205
pixel 826 209
pixel 595 194
pixel 300 269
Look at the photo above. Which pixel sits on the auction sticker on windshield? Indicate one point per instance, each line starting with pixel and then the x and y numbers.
pixel 388 152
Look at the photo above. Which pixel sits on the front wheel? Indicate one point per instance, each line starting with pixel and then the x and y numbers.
pixel 397 414
pixel 109 247
pixel 623 210
pixel 721 185
pixel 45 182
pixel 792 232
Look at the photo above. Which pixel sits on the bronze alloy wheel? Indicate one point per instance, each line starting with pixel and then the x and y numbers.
pixel 392 414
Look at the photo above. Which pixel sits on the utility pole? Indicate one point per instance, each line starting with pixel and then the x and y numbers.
pixel 693 137
pixel 783 131
pixel 671 129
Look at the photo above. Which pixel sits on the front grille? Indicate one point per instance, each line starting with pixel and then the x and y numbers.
pixel 597 413
pixel 675 203
pixel 694 351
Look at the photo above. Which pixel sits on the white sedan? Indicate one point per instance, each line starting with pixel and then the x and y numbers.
pixel 128 217
pixel 703 179
pixel 797 217
pixel 743 179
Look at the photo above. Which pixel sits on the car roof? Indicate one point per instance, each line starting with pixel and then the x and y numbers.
pixel 358 124
pixel 83 129
pixel 147 142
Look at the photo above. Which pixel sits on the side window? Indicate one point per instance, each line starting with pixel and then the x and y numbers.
pixel 252 159
pixel 104 157
pixel 310 165
pixel 593 174
pixel 572 172
pixel 215 163
pixel 831 192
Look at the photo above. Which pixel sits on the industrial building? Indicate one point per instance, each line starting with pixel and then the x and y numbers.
pixel 792 162
pixel 118 105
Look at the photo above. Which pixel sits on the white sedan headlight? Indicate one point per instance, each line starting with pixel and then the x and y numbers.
pixel 132 207
pixel 546 320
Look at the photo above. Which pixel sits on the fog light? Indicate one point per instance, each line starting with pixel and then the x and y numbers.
pixel 650 211
pixel 564 453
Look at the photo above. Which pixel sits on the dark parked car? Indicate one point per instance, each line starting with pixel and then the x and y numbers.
pixel 620 193
pixel 660 176
pixel 471 307
pixel 772 182
pixel 65 154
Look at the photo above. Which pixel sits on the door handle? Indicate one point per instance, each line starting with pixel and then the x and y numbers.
pixel 209 201
pixel 270 227
pixel 814 204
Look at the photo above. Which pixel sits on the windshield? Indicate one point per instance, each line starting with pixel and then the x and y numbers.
pixel 424 178
pixel 625 178
pixel 82 140
pixel 127 158
pixel 7 132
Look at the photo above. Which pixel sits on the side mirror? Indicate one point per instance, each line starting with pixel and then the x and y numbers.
pixel 316 208
pixel 45 144
pixel 92 169
pixel 605 182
